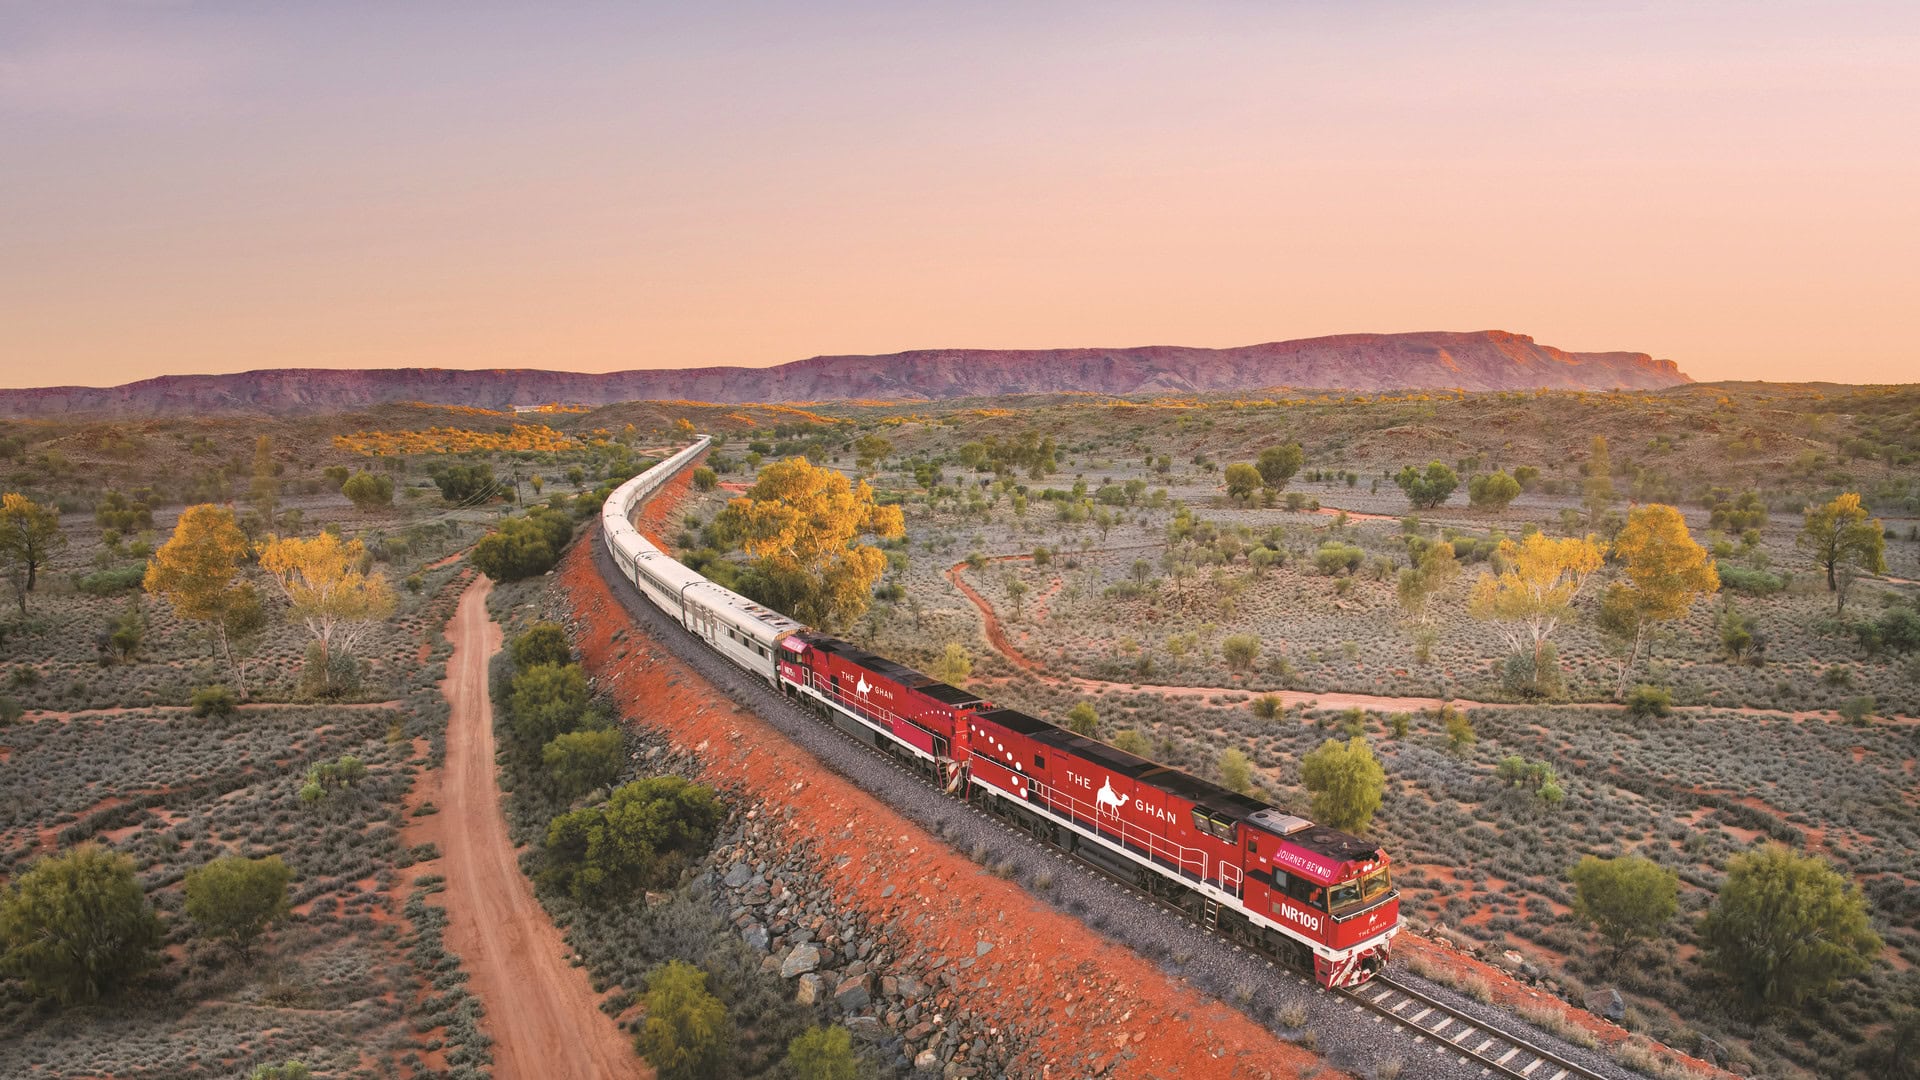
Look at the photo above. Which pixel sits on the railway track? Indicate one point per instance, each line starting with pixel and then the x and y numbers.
pixel 1498 1051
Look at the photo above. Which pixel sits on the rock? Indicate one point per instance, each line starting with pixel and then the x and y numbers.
pixel 1713 1052
pixel 854 993
pixel 983 948
pixel 802 959
pixel 808 989
pixel 1607 1004
pixel 1514 960
pixel 927 1061
pixel 866 1029
pixel 737 875
pixel 755 937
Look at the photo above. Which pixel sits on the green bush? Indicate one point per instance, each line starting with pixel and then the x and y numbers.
pixel 215 700
pixel 1518 677
pixel 705 479
pixel 1787 928
pixel 235 899
pixel 1345 781
pixel 822 1054
pixel 640 838
pixel 1648 701
pixel 107 582
pixel 76 926
pixel 686 1034
pixel 1858 709
pixel 523 547
pixel 1335 557
pixel 368 491
pixel 292 1070
pixel 547 700
pixel 1427 488
pixel 1743 579
pixel 542 643
pixel 579 761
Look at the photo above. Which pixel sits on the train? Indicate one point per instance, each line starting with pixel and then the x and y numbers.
pixel 1317 898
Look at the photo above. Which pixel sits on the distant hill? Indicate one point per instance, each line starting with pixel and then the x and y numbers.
pixel 1480 360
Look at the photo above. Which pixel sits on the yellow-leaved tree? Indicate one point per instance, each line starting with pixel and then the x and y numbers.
pixel 803 523
pixel 1843 540
pixel 327 590
pixel 200 571
pixel 29 534
pixel 1531 598
pixel 1666 572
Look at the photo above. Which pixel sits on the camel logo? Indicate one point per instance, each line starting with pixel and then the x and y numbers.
pixel 1106 797
pixel 862 686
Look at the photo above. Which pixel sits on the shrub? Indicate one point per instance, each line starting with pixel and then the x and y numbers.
pixel 367 491
pixel 1492 491
pixel 1742 579
pixel 547 700
pixel 705 479
pixel 1268 706
pixel 108 582
pixel 76 926
pixel 1626 899
pixel 235 899
pixel 1335 557
pixel 215 700
pixel 686 1034
pixel 542 643
pixel 1082 720
pixel 1518 676
pixel 292 1070
pixel 639 838
pixel 523 547
pixel 1460 734
pixel 1858 709
pixel 1429 488
pixel 1786 928
pixel 822 1054
pixel 1648 701
pixel 1236 770
pixel 325 675
pixel 1132 742
pixel 1240 651
pixel 1346 782
pixel 579 761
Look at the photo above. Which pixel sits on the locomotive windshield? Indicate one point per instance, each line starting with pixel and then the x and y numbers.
pixel 1360 891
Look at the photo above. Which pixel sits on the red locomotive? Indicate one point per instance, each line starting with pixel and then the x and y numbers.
pixel 1306 893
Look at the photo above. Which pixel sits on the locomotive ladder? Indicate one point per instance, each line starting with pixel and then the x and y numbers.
pixel 1212 914
pixel 1473 1039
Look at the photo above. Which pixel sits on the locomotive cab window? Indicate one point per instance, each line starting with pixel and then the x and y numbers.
pixel 1039 761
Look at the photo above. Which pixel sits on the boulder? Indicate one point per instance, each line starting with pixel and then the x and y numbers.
pixel 802 959
pixel 854 992
pixel 1607 1004
pixel 755 937
pixel 809 988
pixel 927 1061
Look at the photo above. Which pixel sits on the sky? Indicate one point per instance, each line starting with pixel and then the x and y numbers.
pixel 206 187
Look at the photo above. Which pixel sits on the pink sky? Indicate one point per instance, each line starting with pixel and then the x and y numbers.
pixel 201 187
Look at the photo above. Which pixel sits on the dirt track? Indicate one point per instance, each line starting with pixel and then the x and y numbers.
pixel 542 1015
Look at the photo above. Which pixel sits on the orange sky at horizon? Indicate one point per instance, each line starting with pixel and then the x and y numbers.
pixel 220 187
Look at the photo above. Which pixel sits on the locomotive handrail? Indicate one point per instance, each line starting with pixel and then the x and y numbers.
pixel 1080 808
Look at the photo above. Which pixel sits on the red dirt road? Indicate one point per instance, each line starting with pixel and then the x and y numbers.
pixel 543 1017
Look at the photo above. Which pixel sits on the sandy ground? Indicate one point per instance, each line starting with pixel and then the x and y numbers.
pixel 541 1013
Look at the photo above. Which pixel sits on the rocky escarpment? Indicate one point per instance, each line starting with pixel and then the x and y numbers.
pixel 1479 360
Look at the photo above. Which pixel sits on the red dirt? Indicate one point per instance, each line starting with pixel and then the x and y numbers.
pixel 448 561
pixel 542 1015
pixel 1042 962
